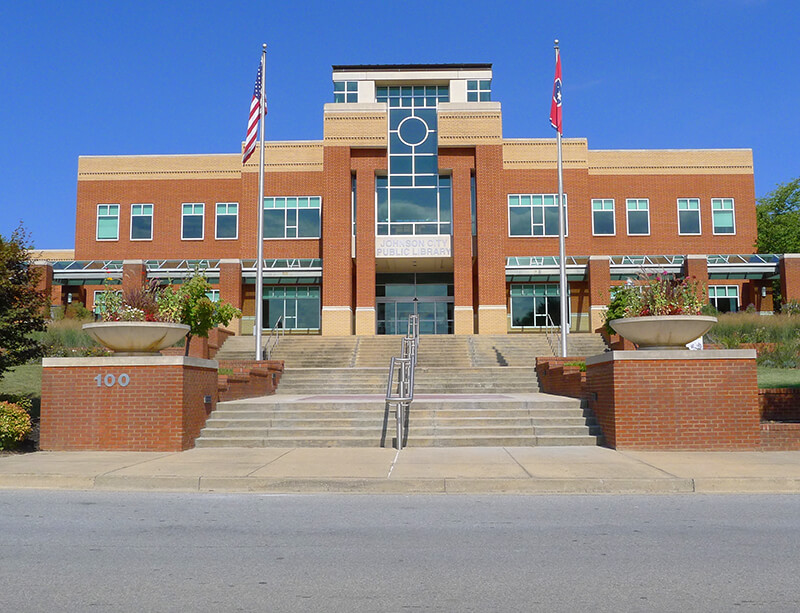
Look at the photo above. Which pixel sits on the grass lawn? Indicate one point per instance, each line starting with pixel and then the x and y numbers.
pixel 778 377
pixel 24 380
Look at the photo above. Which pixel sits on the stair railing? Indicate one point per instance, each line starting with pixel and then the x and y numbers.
pixel 401 393
pixel 553 334
pixel 274 337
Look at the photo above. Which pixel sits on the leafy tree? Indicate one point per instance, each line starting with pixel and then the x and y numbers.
pixel 21 305
pixel 778 218
pixel 191 306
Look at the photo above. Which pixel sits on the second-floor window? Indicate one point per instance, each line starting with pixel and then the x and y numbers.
pixel 688 216
pixel 722 216
pixel 638 210
pixel 141 222
pixel 227 220
pixel 107 222
pixel 192 221
pixel 603 223
pixel 292 217
pixel 533 214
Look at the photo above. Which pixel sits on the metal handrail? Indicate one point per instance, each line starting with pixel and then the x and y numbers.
pixel 553 338
pixel 275 335
pixel 402 394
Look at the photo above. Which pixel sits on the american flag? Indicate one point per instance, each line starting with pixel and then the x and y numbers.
pixel 255 116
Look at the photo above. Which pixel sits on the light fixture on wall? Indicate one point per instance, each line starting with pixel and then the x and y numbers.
pixel 763 291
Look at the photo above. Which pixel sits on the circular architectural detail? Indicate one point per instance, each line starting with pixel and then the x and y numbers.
pixel 413 131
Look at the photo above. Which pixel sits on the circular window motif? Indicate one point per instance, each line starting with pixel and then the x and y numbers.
pixel 413 131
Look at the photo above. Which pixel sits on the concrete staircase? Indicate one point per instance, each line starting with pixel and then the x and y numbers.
pixel 467 421
pixel 469 391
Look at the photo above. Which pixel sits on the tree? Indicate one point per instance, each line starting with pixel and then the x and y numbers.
pixel 778 219
pixel 21 305
pixel 191 306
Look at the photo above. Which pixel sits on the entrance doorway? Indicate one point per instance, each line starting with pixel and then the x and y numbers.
pixel 430 295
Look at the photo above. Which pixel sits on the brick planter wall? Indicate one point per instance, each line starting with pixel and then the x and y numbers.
pixel 140 403
pixel 661 400
pixel 555 378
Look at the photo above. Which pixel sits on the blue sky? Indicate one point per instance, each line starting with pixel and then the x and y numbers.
pixel 119 78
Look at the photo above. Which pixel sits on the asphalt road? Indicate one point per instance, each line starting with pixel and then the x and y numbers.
pixel 90 551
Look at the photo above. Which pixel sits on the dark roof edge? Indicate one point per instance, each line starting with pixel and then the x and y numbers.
pixel 349 67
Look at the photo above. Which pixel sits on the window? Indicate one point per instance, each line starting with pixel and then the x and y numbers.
pixel 533 214
pixel 353 202
pixel 227 220
pixel 688 216
pixel 107 222
pixel 603 217
pixel 535 305
pixel 192 221
pixel 292 217
pixel 473 204
pixel 299 305
pixel 479 91
pixel 722 214
pixel 213 295
pixel 100 300
pixel 724 298
pixel 638 215
pixel 141 222
pixel 345 91
pixel 414 212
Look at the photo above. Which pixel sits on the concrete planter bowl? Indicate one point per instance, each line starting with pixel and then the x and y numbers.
pixel 664 331
pixel 136 337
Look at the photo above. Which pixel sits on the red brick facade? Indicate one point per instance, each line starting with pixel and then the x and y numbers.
pixel 133 404
pixel 694 400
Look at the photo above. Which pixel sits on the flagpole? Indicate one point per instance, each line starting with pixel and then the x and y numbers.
pixel 562 264
pixel 260 207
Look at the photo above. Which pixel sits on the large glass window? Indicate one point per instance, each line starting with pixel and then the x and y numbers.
pixel 536 305
pixel 479 91
pixel 688 216
pixel 141 222
pixel 722 213
pixel 413 215
pixel 533 214
pixel 292 217
pixel 345 91
pixel 192 221
pixel 299 305
pixel 638 210
pixel 603 222
pixel 107 222
pixel 725 298
pixel 227 220
pixel 413 198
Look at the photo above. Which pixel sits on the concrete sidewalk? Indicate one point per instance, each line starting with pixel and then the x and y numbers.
pixel 518 470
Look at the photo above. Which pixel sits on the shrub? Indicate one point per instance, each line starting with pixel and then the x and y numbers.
pixel 66 338
pixel 792 307
pixel 579 363
pixel 15 425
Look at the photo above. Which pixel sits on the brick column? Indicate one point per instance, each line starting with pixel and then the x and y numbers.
pixel 134 275
pixel 44 285
pixel 789 269
pixel 337 260
pixel 365 248
pixel 697 266
pixel 492 215
pixel 599 276
pixel 462 252
pixel 230 289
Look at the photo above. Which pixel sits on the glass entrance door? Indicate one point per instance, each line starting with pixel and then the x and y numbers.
pixel 428 295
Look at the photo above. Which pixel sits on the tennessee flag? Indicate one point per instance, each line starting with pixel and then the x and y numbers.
pixel 555 104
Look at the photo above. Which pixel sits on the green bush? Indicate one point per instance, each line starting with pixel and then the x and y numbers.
pixel 15 425
pixel 66 338
pixel 780 332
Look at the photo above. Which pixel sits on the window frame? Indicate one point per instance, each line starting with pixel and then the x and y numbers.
pixel 227 213
pixel 699 217
pixel 97 222
pixel 481 89
pixel 613 215
pixel 142 204
pixel 531 207
pixel 628 220
pixel 727 287
pixel 733 216
pixel 348 94
pixel 296 225
pixel 193 214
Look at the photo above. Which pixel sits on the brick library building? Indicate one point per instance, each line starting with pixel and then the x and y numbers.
pixel 414 202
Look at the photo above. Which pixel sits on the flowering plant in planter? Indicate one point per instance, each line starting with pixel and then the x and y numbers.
pixel 148 303
pixel 656 295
